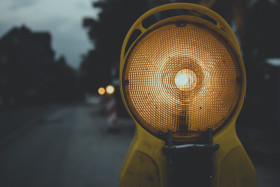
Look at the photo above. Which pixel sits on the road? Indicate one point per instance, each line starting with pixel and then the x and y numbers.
pixel 69 145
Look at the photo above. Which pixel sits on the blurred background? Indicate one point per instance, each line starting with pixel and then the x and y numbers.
pixel 57 128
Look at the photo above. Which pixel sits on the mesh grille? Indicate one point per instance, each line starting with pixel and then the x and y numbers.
pixel 181 78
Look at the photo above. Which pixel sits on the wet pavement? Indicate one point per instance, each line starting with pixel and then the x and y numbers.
pixel 69 146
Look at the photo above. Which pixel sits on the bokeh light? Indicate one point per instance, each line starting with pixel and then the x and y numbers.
pixel 110 89
pixel 101 91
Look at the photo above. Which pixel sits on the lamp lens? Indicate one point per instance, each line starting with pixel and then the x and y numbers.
pixel 182 78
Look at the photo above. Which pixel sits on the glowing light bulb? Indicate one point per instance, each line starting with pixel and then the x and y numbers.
pixel 185 80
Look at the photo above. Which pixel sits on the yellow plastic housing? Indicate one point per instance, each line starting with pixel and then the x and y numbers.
pixel 145 163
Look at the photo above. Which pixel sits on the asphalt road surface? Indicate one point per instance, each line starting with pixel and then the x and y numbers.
pixel 69 145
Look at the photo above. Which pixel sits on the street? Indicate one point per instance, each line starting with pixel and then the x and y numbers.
pixel 69 145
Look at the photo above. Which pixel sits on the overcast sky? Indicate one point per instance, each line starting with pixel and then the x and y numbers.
pixel 62 18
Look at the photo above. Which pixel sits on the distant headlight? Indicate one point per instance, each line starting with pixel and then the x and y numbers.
pixel 110 89
pixel 101 91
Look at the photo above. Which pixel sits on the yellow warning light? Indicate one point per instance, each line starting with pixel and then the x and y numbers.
pixel 180 77
pixel 101 91
pixel 110 89
pixel 184 78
